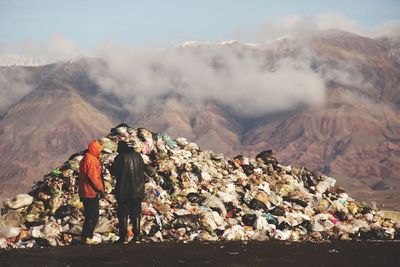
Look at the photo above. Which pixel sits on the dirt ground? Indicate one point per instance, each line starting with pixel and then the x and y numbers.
pixel 271 253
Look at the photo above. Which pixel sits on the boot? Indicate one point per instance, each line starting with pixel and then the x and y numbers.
pixel 123 228
pixel 136 229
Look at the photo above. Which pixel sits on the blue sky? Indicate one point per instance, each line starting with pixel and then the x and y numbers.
pixel 149 22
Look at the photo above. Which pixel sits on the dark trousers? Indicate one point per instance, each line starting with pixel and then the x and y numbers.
pixel 91 214
pixel 133 209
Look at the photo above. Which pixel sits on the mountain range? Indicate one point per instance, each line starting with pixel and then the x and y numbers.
pixel 352 135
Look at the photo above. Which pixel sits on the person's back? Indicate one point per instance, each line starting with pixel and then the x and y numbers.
pixel 128 169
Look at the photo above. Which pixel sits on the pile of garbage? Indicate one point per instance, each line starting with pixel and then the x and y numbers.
pixel 194 195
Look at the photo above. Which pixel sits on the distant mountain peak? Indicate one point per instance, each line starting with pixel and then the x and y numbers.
pixel 193 44
pixel 21 60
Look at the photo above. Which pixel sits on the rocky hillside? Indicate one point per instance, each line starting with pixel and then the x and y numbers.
pixel 41 130
pixel 354 135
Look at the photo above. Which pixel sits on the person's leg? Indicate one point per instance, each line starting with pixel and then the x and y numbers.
pixel 122 214
pixel 85 231
pixel 93 215
pixel 136 212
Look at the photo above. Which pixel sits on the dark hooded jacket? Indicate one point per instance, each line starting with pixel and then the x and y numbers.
pixel 128 169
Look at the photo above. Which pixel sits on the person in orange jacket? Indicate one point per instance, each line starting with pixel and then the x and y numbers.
pixel 90 189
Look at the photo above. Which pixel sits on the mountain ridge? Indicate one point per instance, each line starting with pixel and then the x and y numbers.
pixel 354 135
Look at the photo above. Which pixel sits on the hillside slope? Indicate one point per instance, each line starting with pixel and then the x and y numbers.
pixel 41 130
pixel 354 135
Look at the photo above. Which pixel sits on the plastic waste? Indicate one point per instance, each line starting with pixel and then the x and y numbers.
pixel 277 211
pixel 215 203
pixel 19 201
pixel 282 235
pixel 195 198
pixel 268 157
pixel 194 195
pixel 9 231
pixel 249 219
pixel 105 226
pixel 325 184
pixel 52 229
pixel 3 243
pixel 256 204
pixel 261 223
pixel 12 218
pixel 191 221
pixel 65 210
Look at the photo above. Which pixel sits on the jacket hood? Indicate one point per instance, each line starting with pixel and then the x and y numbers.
pixel 94 148
pixel 122 147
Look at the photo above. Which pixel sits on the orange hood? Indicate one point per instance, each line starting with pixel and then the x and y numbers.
pixel 94 148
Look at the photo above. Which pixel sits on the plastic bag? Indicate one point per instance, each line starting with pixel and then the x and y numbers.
pixel 282 235
pixel 12 218
pixel 9 231
pixel 261 223
pixel 19 201
pixel 249 219
pixel 65 210
pixel 256 204
pixel 52 229
pixel 268 157
pixel 236 232
pixel 104 226
pixel 248 170
pixel 277 211
pixel 191 221
pixel 325 184
pixel 3 243
pixel 215 203
pixel 195 198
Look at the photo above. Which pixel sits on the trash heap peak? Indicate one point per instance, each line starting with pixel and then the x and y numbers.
pixel 194 195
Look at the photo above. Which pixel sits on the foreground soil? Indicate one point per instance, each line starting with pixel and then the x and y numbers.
pixel 211 254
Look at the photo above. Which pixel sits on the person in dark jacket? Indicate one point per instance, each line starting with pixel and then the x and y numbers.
pixel 128 169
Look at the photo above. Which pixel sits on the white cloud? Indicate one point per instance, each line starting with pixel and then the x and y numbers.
pixel 234 76
pixel 14 84
pixel 387 29
pixel 299 28
pixel 35 52
pixel 251 81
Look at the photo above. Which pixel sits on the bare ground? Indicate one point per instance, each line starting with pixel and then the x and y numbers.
pixel 338 253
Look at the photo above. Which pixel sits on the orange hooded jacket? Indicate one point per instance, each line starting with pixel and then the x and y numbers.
pixel 90 182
